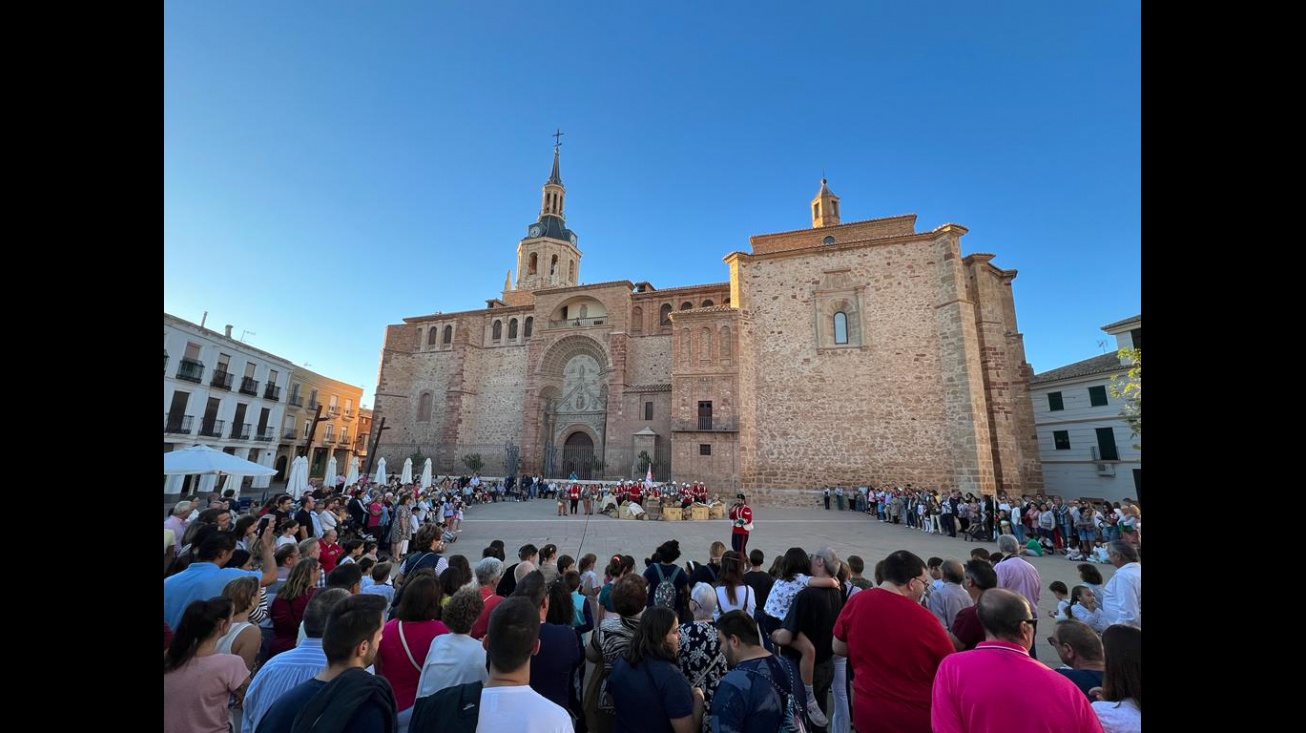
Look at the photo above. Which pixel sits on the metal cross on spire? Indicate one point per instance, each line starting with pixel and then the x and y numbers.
pixel 557 138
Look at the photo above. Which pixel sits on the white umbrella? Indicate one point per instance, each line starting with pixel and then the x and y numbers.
pixel 232 482
pixel 203 459
pixel 426 474
pixel 407 476
pixel 298 477
pixel 329 480
pixel 351 476
pixel 380 471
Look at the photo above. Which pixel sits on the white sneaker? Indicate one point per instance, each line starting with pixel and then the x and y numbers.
pixel 815 715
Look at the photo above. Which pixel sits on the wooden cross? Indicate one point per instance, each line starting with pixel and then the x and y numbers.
pixel 557 138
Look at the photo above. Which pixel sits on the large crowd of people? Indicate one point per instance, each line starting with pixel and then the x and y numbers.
pixel 348 611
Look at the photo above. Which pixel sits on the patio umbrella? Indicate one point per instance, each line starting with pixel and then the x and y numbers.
pixel 204 460
pixel 330 479
pixel 407 476
pixel 232 482
pixel 426 474
pixel 351 476
pixel 298 477
pixel 380 471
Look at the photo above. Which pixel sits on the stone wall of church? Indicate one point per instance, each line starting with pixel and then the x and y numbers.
pixel 814 412
pixel 1006 376
pixel 648 360
pixel 496 382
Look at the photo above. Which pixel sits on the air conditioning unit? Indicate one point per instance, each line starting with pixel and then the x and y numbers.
pixel 1106 469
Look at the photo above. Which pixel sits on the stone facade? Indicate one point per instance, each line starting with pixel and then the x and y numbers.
pixel 852 353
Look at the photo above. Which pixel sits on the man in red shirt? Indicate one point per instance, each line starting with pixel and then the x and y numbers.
pixel 894 646
pixel 573 494
pixel 742 518
pixel 330 551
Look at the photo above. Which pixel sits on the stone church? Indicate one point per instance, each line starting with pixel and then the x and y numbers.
pixel 853 353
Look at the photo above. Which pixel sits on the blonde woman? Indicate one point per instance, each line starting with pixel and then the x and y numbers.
pixel 242 637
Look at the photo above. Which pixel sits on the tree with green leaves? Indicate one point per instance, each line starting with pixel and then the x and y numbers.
pixel 644 461
pixel 473 462
pixel 1130 389
pixel 419 459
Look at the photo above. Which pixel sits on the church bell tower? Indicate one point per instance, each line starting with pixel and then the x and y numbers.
pixel 547 257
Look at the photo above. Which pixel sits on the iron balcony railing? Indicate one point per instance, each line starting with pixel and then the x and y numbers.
pixel 180 424
pixel 240 431
pixel 221 380
pixel 212 428
pixel 249 386
pixel 289 434
pixel 265 436
pixel 296 401
pixel 190 370
pixel 706 425
pixel 578 322
pixel 272 392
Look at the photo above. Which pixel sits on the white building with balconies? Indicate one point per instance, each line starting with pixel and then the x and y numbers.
pixel 223 393
pixel 1086 447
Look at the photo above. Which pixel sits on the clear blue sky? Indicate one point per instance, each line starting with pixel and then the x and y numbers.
pixel 333 167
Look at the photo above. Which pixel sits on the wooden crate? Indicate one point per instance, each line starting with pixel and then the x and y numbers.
pixel 671 513
pixel 699 512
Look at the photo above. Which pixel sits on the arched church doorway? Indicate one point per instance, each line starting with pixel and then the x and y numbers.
pixel 578 455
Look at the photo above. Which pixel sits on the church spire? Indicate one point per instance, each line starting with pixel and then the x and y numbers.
pixel 555 176
pixel 554 192
pixel 825 207
pixel 507 281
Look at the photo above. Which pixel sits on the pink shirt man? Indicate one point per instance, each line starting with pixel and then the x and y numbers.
pixel 1015 574
pixel 998 687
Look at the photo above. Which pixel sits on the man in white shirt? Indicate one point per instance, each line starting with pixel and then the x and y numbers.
pixel 1122 596
pixel 945 602
pixel 508 704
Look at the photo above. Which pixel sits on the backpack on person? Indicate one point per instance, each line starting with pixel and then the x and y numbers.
pixel 792 718
pixel 665 594
pixel 454 709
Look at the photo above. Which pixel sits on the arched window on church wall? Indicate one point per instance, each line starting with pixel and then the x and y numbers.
pixel 512 330
pixel 526 332
pixel 534 265
pixel 571 275
pixel 664 316
pixel 553 266
pixel 840 327
pixel 496 331
pixel 686 305
pixel 636 319
pixel 705 346
pixel 686 341
pixel 727 347
pixel 706 304
pixel 448 335
pixel 431 336
pixel 424 407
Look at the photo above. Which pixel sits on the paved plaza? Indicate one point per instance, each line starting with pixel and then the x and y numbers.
pixel 776 530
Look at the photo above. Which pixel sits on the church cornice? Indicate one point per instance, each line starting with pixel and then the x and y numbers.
pixel 808 249
pixel 657 294
pixel 587 286
pixel 458 314
pixel 843 225
pixel 646 388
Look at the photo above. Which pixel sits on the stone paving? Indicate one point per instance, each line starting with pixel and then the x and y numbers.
pixel 776 530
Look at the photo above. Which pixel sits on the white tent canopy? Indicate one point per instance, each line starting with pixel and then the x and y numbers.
pixel 203 459
pixel 380 471
pixel 298 480
pixel 426 474
pixel 329 480
pixel 407 476
pixel 351 476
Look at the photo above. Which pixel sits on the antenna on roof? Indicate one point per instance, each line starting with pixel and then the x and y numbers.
pixel 1101 344
pixel 244 333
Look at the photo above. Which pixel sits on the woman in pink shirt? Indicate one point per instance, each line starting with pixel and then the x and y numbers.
pixel 407 638
pixel 198 681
